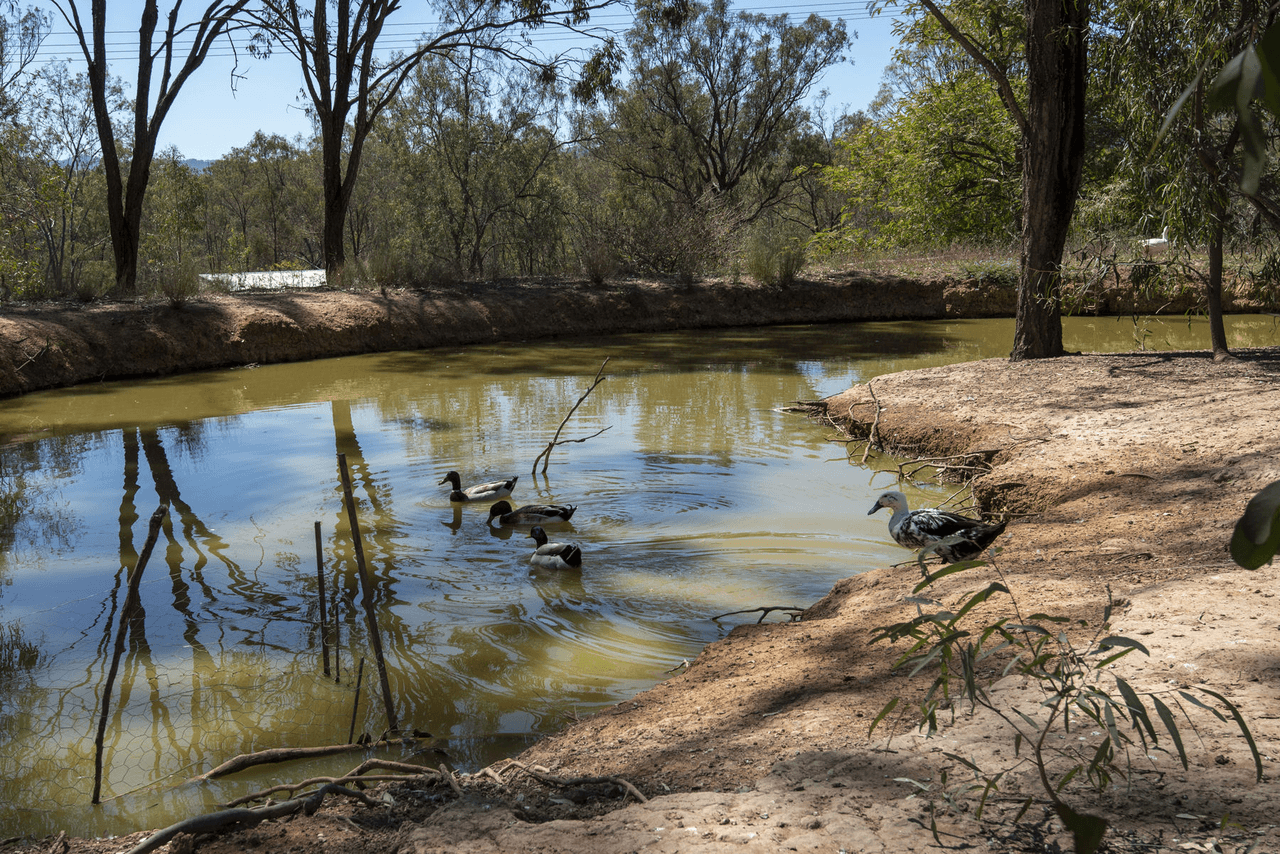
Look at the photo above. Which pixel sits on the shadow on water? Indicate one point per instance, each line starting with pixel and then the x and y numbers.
pixel 757 347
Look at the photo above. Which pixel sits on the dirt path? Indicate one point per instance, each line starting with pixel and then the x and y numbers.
pixel 1124 472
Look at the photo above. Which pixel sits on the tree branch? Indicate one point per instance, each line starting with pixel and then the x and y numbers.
pixel 545 456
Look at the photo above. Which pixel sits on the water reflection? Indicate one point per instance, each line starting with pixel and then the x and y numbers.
pixel 699 500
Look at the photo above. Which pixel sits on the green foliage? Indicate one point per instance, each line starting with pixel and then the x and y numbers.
pixel 1256 537
pixel 96 279
pixel 774 260
pixel 1002 273
pixel 177 280
pixel 942 168
pixel 1074 683
pixel 470 143
pixel 599 262
pixel 1251 75
pixel 712 124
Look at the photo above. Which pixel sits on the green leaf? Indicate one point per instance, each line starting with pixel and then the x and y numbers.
pixel 1223 89
pixel 1269 55
pixel 1256 538
pixel 960 566
pixel 1173 110
pixel 1048 618
pixel 978 598
pixel 1118 640
pixel 1254 141
pixel 1166 716
pixel 1244 728
pixel 1067 778
pixel 1137 711
pixel 1191 699
pixel 1087 830
pixel 1102 755
pixel 888 707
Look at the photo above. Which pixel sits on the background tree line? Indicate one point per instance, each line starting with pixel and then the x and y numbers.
pixel 472 164
pixel 709 156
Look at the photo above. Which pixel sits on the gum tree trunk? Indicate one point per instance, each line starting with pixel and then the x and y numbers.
pixel 1052 164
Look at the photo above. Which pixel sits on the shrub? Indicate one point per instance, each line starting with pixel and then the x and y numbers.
pixel 1074 680
pixel 774 261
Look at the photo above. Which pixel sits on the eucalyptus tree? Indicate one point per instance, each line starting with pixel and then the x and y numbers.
pixel 262 206
pixel 1050 116
pixel 716 103
pixel 22 31
pixel 475 139
pixel 938 161
pixel 351 75
pixel 166 59
pixel 1195 177
pixel 172 227
pixel 58 175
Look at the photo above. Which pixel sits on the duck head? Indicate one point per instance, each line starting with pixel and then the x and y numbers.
pixel 892 499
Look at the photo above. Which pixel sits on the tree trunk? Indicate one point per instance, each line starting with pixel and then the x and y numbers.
pixel 1052 164
pixel 1213 288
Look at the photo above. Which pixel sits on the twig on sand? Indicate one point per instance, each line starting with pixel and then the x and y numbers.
pixel 793 610
pixel 545 456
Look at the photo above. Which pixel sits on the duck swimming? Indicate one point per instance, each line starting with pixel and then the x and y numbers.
pixel 481 491
pixel 553 555
pixel 530 514
pixel 916 529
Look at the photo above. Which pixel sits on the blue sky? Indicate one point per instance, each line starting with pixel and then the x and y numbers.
pixel 209 119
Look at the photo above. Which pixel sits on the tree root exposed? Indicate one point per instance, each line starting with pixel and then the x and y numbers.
pixel 244 818
pixel 238 817
pixel 544 775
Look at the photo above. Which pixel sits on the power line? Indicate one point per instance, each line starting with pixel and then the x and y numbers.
pixel 62 45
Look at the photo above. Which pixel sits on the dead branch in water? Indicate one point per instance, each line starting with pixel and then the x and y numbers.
pixel 793 610
pixel 875 423
pixel 275 754
pixel 968 466
pixel 357 775
pixel 545 456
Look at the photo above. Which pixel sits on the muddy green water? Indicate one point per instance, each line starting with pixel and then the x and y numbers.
pixel 700 498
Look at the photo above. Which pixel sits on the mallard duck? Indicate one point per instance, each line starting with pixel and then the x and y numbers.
pixel 553 555
pixel 530 514
pixel 916 529
pixel 481 491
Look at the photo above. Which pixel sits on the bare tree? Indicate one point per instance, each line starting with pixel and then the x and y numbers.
pixel 173 54
pixel 21 34
pixel 350 78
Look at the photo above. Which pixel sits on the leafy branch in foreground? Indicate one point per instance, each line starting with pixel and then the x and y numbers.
pixel 1079 694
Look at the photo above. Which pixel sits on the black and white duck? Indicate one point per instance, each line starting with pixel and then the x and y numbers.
pixel 553 555
pixel 916 529
pixel 481 491
pixel 530 514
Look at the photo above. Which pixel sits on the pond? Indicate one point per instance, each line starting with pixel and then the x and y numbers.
pixel 696 496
